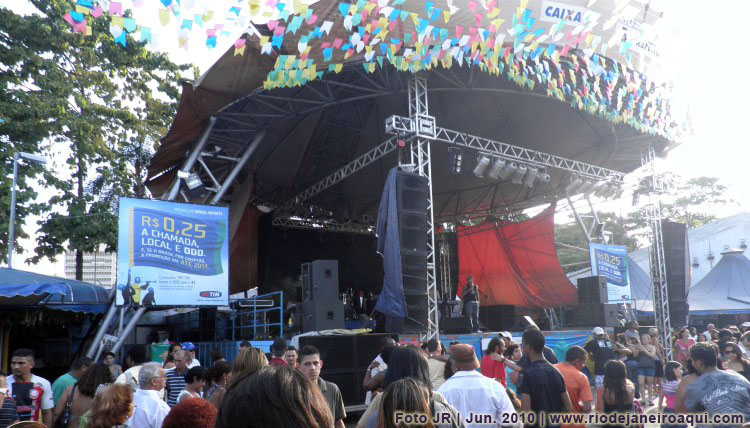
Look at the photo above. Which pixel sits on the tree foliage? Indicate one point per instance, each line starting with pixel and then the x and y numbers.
pixel 101 105
pixel 571 234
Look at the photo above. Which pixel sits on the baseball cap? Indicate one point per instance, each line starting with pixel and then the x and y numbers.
pixel 505 334
pixel 464 356
pixel 187 346
pixel 597 331
pixel 745 324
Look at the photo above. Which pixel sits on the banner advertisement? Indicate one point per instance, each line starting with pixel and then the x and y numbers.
pixel 172 254
pixel 611 262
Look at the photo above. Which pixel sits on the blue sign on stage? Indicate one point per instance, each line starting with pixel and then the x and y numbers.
pixel 172 254
pixel 611 262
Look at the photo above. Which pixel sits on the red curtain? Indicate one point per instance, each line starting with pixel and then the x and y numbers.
pixel 515 264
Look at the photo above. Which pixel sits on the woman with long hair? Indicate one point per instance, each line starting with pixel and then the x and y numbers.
pixel 491 368
pixel 410 396
pixel 246 364
pixel 646 369
pixel 682 345
pixel 512 353
pixel 83 393
pixel 169 361
pixel 109 360
pixel 274 397
pixel 217 378
pixel 736 361
pixel 618 393
pixel 112 407
pixel 405 362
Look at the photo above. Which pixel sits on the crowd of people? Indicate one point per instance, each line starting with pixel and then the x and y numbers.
pixel 514 384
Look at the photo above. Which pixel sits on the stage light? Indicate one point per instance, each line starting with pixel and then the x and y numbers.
pixel 528 179
pixel 543 176
pixel 618 192
pixel 636 198
pixel 508 169
pixel 584 187
pixel 496 168
pixel 575 183
pixel 518 175
pixel 194 185
pixel 482 162
pixel 603 190
pixel 457 157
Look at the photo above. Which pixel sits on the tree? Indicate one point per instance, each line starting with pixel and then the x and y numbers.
pixel 571 235
pixel 686 203
pixel 105 104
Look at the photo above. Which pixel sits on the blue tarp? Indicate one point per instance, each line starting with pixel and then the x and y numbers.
pixel 20 289
pixel 391 300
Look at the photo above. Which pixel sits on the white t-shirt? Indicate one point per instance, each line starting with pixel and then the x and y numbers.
pixel 134 371
pixel 194 363
pixel 31 397
pixel 373 372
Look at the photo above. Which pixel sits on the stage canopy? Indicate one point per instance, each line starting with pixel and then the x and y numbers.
pixel 725 289
pixel 21 289
pixel 515 263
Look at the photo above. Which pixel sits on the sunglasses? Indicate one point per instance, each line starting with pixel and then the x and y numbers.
pixel 730 351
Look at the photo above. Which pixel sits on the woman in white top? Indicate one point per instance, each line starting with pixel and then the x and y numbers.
pixel 194 384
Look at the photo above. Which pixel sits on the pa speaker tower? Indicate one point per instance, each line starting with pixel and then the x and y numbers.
pixel 677 259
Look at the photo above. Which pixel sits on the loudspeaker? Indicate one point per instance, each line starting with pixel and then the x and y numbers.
pixel 413 232
pixel 677 260
pixel 411 192
pixel 416 309
pixel 526 321
pixel 592 289
pixel 322 308
pixel 498 317
pixel 337 352
pixel 349 383
pixel 455 325
pixel 598 315
pixel 414 271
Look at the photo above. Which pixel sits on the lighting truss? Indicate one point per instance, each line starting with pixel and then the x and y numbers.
pixel 350 168
pixel 405 126
pixel 291 222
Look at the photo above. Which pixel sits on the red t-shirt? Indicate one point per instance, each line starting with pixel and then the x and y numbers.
pixel 276 361
pixel 493 369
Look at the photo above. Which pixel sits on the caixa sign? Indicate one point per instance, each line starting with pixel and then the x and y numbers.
pixel 210 294
pixel 556 12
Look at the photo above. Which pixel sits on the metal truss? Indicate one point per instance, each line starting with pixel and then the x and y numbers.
pixel 350 168
pixel 407 126
pixel 657 261
pixel 292 222
pixel 420 158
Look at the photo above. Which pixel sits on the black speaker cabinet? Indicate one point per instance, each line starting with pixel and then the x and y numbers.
pixel 455 325
pixel 592 289
pixel 498 317
pixel 411 192
pixel 598 315
pixel 416 309
pixel 322 308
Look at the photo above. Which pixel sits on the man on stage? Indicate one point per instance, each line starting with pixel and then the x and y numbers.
pixel 470 299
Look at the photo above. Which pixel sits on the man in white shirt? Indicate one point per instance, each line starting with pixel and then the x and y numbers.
pixel 378 365
pixel 150 409
pixel 33 394
pixel 189 349
pixel 708 333
pixel 481 401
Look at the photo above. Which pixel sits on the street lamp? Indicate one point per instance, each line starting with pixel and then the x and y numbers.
pixel 11 237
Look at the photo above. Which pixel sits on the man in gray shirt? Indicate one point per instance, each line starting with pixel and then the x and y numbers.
pixel 718 392
pixel 632 330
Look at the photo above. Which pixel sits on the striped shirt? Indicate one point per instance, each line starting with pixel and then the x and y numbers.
pixel 175 384
pixel 670 392
pixel 8 412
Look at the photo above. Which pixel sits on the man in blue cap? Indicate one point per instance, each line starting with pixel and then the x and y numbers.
pixel 190 359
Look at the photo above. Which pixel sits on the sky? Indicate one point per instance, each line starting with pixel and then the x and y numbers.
pixel 709 74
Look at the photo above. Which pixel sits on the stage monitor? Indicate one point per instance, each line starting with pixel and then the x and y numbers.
pixel 172 254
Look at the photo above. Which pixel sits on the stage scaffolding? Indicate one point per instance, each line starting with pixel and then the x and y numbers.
pixel 416 131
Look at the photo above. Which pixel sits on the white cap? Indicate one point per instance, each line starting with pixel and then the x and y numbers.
pixel 505 334
pixel 746 324
pixel 597 331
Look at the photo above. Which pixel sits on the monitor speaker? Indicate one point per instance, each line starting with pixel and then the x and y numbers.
pixel 592 289
pixel 455 325
pixel 498 317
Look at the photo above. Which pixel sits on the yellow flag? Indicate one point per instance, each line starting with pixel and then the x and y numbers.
pixel 446 16
pixel 83 10
pixel 239 51
pixel 495 11
pixel 164 16
pixel 210 14
pixel 338 67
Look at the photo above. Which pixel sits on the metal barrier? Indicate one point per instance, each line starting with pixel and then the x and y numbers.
pixel 258 307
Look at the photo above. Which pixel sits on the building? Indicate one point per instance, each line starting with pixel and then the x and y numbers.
pixel 99 267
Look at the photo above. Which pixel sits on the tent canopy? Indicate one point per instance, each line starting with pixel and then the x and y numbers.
pixel 23 289
pixel 725 289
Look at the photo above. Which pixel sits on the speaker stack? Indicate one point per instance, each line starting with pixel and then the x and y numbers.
pixel 321 305
pixel 676 253
pixel 498 317
pixel 411 191
pixel 593 309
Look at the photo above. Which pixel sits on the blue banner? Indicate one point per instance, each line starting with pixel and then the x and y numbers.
pixel 172 254
pixel 611 262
